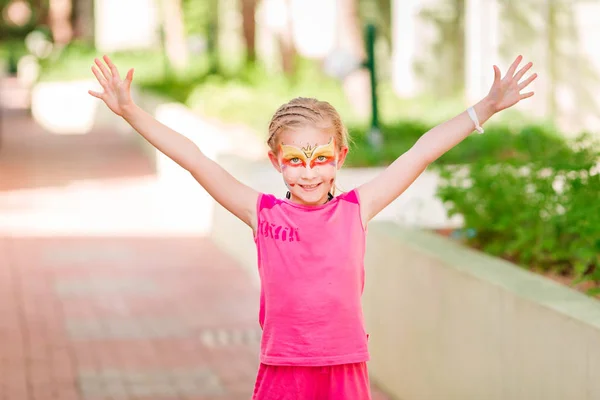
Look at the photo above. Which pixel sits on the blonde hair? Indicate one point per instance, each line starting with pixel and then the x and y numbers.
pixel 303 111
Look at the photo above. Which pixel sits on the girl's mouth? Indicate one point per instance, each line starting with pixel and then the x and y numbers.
pixel 310 188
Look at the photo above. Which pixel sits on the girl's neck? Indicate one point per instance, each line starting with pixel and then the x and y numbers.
pixel 293 200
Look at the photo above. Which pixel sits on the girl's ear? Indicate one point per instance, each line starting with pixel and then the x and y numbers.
pixel 275 161
pixel 342 157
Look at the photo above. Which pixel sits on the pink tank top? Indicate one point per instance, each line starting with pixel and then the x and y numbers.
pixel 311 266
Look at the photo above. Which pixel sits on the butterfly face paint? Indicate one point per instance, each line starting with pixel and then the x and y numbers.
pixel 308 156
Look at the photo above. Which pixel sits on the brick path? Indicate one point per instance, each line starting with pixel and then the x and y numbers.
pixel 113 316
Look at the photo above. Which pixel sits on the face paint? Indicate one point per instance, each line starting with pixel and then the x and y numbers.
pixel 308 160
pixel 311 156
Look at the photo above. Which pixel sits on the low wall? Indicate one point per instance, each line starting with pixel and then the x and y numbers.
pixel 447 322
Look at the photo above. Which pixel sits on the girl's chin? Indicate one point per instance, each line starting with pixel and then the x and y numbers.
pixel 311 197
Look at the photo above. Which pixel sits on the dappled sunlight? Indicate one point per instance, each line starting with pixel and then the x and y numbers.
pixel 123 206
pixel 32 157
pixel 18 12
pixel 100 183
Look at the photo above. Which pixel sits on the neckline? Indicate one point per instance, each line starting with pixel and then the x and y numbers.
pixel 307 207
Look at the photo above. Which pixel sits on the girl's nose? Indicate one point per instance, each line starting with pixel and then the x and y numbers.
pixel 309 172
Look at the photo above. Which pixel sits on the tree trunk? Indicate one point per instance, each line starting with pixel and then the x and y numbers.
pixel 350 39
pixel 552 60
pixel 249 28
pixel 40 10
pixel 285 39
pixel 457 80
pixel 83 19
pixel 59 19
pixel 175 41
pixel 212 33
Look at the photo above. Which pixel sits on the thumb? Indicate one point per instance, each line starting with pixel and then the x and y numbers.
pixel 496 74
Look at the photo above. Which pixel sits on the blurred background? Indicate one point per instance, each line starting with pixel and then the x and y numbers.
pixel 112 272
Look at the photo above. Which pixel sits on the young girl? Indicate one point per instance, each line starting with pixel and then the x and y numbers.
pixel 310 244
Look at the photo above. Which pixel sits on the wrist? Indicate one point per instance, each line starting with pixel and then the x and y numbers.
pixel 128 110
pixel 488 107
pixel 485 109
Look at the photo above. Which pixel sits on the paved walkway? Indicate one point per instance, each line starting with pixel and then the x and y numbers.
pixel 105 316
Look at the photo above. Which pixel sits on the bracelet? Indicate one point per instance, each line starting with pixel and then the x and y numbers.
pixel 473 117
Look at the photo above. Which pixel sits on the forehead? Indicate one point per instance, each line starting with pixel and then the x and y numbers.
pixel 305 136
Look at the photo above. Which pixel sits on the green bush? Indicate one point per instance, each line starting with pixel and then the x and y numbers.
pixel 538 208
pixel 500 143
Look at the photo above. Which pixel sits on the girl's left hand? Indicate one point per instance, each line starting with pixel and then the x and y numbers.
pixel 506 92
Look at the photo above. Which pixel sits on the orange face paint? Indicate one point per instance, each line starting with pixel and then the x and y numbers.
pixel 310 155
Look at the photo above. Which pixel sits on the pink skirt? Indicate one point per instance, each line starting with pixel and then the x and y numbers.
pixel 335 382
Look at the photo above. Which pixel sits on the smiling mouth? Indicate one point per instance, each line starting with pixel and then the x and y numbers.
pixel 310 187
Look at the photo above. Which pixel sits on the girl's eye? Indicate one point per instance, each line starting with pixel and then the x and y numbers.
pixel 295 160
pixel 321 158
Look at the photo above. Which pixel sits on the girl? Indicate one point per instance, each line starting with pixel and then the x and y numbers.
pixel 310 244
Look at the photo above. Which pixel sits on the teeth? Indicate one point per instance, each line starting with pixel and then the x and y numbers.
pixel 309 186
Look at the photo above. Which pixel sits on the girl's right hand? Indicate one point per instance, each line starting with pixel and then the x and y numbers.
pixel 116 92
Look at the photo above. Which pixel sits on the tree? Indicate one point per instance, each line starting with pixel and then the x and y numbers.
pixel 351 40
pixel 565 64
pixel 201 19
pixel 379 13
pixel 249 29
pixel 59 19
pixel 448 18
pixel 174 34
pixel 83 19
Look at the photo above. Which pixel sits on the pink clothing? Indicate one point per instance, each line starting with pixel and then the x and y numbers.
pixel 334 382
pixel 311 265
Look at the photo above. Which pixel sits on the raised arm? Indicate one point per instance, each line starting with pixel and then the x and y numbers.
pixel 395 179
pixel 236 197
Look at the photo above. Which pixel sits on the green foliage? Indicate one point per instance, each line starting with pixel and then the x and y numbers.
pixel 75 60
pixel 500 143
pixel 12 51
pixel 251 94
pixel 197 15
pixel 447 18
pixel 378 12
pixel 537 207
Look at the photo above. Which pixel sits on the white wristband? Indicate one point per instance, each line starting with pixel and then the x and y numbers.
pixel 473 117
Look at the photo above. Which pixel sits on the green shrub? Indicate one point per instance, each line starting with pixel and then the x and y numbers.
pixel 538 208
pixel 500 143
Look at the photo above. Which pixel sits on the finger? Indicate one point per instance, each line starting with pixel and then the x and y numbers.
pixel 497 74
pixel 112 66
pixel 514 66
pixel 129 78
pixel 100 78
pixel 522 71
pixel 526 95
pixel 526 82
pixel 95 94
pixel 105 71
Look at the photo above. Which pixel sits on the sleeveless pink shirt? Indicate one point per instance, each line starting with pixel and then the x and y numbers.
pixel 311 266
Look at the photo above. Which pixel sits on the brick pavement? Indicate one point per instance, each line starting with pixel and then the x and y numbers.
pixel 114 316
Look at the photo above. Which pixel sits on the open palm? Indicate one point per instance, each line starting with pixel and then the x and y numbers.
pixel 506 92
pixel 116 92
